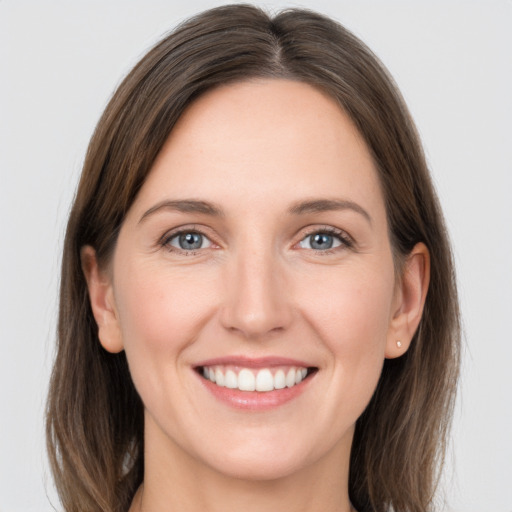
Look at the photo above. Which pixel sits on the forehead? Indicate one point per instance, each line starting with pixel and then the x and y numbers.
pixel 255 138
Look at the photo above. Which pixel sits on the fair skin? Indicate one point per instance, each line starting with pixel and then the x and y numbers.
pixel 259 241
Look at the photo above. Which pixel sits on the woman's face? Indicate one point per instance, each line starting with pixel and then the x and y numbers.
pixel 257 251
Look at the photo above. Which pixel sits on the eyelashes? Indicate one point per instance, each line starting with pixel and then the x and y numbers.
pixel 326 240
pixel 322 240
pixel 187 240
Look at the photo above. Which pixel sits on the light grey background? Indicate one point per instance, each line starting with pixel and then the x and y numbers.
pixel 60 61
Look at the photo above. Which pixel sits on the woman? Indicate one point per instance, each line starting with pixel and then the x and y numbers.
pixel 258 305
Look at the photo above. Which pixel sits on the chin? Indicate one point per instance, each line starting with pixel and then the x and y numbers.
pixel 257 468
pixel 263 459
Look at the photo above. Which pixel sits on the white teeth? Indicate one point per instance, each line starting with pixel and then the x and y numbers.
pixel 219 377
pixel 231 380
pixel 279 380
pixel 290 378
pixel 246 380
pixel 264 381
pixel 254 380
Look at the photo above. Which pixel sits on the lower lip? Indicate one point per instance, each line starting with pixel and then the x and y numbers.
pixel 255 400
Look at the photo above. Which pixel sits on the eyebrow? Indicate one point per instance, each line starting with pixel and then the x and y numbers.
pixel 185 206
pixel 327 205
pixel 300 208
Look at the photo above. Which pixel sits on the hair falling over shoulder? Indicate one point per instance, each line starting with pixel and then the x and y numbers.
pixel 94 414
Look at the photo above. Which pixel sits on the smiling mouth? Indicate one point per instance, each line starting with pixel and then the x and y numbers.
pixel 251 379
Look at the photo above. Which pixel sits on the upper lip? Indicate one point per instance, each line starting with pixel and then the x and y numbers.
pixel 254 362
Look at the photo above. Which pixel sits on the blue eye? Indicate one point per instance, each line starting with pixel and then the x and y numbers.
pixel 189 241
pixel 321 241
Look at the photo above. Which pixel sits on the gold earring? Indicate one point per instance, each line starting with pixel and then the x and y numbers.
pixel 399 344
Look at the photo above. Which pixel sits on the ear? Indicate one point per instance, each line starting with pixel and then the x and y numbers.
pixel 409 301
pixel 101 295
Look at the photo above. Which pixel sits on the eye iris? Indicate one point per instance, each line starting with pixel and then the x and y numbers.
pixel 190 241
pixel 321 241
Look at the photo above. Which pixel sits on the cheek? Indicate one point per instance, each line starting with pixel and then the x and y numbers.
pixel 351 315
pixel 160 312
pixel 354 306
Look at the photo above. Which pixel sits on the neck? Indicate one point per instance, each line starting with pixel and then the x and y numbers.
pixel 175 481
pixel 142 503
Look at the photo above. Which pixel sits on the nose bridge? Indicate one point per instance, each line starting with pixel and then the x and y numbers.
pixel 257 300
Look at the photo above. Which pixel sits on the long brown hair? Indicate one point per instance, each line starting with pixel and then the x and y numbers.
pixel 94 414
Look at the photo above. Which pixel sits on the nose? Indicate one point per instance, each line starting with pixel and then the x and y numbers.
pixel 257 301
